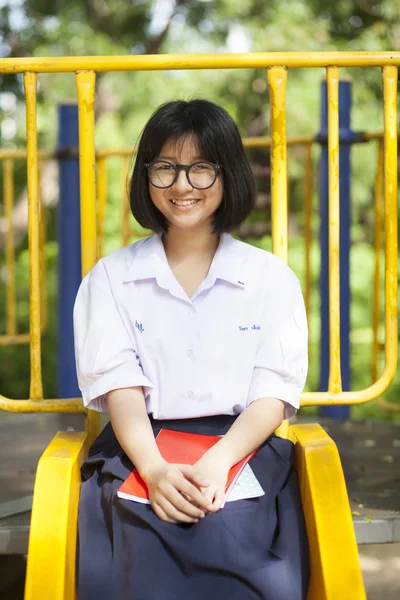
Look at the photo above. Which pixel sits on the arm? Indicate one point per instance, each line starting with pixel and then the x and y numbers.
pixel 278 378
pixel 111 377
pixel 166 482
pixel 252 427
pixel 132 428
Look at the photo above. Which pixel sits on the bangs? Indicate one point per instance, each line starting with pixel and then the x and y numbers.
pixel 176 145
pixel 174 133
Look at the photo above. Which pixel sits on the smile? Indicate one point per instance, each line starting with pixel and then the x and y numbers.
pixel 184 203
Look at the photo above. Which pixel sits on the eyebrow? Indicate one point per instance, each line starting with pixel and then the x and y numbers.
pixel 173 158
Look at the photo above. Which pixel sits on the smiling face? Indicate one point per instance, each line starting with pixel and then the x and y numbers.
pixel 183 206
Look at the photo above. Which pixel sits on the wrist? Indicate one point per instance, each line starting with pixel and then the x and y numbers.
pixel 150 467
pixel 220 453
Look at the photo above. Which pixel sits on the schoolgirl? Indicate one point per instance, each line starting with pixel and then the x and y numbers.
pixel 191 330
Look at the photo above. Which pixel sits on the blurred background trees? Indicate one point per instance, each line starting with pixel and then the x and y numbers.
pixel 124 101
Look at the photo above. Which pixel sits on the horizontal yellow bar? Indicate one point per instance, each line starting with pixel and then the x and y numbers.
pixel 265 141
pixel 21 153
pixel 248 142
pixel 71 405
pixel 75 405
pixel 19 338
pixel 163 62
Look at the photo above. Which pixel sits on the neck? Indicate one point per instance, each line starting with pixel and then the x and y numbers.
pixel 185 244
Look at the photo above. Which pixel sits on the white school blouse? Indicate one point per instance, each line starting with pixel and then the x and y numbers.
pixel 242 336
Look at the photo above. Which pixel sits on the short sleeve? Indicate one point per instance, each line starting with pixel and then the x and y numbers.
pixel 281 363
pixel 105 355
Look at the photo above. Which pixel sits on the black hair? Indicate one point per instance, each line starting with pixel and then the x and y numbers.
pixel 219 141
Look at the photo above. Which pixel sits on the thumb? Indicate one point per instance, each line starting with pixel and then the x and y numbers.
pixel 193 475
pixel 218 500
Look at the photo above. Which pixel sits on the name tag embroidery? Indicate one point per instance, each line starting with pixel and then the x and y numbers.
pixel 139 327
pixel 253 327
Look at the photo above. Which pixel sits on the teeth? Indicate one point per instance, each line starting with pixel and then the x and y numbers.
pixel 184 202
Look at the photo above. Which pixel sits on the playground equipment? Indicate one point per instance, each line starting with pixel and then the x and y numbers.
pixel 335 572
pixel 11 335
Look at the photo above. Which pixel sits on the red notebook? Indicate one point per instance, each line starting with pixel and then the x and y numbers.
pixel 183 448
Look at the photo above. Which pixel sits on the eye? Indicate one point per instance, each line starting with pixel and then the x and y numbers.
pixel 202 167
pixel 163 167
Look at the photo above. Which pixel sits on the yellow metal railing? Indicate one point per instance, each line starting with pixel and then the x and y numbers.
pixel 12 336
pixel 277 65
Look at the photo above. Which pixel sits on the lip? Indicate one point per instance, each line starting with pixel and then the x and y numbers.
pixel 184 208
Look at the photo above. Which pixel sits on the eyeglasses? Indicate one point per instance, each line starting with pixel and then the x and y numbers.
pixel 200 175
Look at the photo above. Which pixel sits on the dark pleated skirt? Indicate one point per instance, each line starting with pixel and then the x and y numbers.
pixel 253 549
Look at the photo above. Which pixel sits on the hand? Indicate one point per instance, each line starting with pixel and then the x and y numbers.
pixel 215 470
pixel 176 492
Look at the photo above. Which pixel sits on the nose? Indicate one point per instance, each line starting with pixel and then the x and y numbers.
pixel 182 184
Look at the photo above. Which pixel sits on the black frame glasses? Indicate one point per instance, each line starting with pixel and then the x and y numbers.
pixel 186 168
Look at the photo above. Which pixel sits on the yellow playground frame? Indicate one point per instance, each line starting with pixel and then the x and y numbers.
pixel 335 572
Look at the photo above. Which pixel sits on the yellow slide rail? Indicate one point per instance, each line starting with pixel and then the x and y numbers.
pixel 277 65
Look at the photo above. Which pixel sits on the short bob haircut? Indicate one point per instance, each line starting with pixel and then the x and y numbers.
pixel 217 135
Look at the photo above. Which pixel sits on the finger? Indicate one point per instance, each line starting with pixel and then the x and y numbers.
pixel 174 513
pixel 209 495
pixel 218 501
pixel 161 514
pixel 174 496
pixel 191 492
pixel 194 476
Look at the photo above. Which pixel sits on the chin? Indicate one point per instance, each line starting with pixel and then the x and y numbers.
pixel 189 224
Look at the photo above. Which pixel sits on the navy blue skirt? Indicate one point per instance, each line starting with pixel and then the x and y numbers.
pixel 253 549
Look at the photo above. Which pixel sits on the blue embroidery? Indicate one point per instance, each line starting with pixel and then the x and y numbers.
pixel 243 328
pixel 252 327
pixel 256 327
pixel 139 326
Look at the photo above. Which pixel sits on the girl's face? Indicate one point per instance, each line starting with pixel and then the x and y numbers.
pixel 183 206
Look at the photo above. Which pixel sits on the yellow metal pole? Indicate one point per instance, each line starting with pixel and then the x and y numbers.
pixel 377 269
pixel 335 381
pixel 85 81
pixel 36 386
pixel 70 405
pixel 126 209
pixel 390 76
pixel 166 62
pixel 101 203
pixel 43 263
pixel 8 191
pixel 308 190
pixel 277 77
pixel 86 88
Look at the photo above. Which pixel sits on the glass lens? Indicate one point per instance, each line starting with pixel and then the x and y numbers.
pixel 202 175
pixel 162 174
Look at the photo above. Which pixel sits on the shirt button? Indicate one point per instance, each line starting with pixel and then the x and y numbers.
pixel 190 353
pixel 190 394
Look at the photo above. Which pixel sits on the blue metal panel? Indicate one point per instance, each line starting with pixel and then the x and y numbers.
pixel 69 247
pixel 346 138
